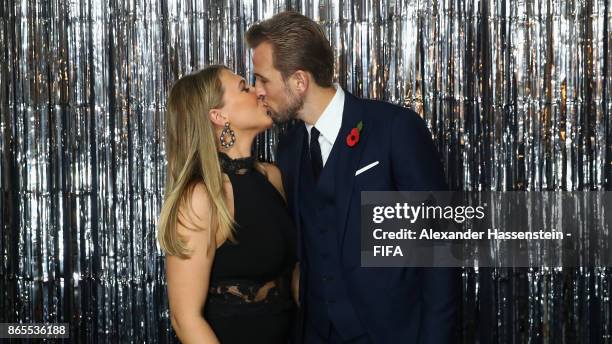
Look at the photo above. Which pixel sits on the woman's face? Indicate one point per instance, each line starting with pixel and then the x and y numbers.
pixel 244 110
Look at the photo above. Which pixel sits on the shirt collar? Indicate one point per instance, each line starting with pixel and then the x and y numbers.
pixel 330 121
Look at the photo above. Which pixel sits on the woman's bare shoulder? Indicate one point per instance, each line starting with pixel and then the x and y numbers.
pixel 194 212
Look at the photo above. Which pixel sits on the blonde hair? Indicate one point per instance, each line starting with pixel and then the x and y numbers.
pixel 191 153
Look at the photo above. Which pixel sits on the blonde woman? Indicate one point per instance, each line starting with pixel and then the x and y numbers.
pixel 224 225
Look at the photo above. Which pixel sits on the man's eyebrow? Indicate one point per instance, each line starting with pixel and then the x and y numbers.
pixel 260 76
pixel 241 84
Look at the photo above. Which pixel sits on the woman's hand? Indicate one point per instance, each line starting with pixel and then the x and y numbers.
pixel 295 283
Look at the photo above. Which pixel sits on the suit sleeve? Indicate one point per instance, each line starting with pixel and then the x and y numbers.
pixel 416 166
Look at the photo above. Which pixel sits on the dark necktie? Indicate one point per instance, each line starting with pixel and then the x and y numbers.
pixel 315 154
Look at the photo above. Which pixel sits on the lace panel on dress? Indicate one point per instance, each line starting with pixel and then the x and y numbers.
pixel 242 297
pixel 245 291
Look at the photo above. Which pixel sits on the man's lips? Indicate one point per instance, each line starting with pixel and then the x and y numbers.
pixel 268 111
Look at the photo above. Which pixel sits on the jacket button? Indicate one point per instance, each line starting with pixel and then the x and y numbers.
pixel 328 278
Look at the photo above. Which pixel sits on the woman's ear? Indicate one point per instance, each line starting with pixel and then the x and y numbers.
pixel 217 117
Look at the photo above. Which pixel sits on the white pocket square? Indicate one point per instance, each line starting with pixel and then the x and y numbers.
pixel 365 168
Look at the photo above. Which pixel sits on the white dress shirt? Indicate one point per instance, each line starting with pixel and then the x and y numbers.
pixel 329 123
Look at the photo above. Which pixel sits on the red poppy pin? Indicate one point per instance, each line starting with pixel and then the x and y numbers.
pixel 353 136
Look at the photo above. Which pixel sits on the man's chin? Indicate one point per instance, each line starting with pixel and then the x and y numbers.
pixel 281 118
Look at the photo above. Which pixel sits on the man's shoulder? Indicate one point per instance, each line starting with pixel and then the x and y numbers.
pixel 384 117
pixel 382 110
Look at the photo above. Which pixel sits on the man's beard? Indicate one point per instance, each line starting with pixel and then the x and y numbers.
pixel 294 104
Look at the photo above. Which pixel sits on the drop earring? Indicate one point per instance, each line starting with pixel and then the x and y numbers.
pixel 227 131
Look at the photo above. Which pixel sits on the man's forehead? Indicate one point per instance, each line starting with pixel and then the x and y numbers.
pixel 262 53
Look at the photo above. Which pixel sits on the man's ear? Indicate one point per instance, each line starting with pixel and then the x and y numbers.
pixel 301 81
pixel 217 117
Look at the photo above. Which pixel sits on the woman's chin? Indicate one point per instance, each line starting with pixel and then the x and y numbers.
pixel 269 122
pixel 264 127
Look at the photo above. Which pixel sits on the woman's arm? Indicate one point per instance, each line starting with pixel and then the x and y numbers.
pixel 188 279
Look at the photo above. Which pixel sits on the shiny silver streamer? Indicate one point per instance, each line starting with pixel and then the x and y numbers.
pixel 516 93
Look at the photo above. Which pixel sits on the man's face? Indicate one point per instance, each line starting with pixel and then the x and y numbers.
pixel 282 102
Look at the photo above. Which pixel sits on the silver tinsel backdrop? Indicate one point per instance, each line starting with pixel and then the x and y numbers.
pixel 516 94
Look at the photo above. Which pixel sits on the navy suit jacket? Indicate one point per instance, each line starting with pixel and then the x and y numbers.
pixel 395 305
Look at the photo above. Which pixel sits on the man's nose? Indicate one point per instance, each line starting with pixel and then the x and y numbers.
pixel 259 90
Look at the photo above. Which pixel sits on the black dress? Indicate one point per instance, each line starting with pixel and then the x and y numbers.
pixel 249 299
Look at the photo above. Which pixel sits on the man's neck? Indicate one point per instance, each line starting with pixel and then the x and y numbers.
pixel 315 103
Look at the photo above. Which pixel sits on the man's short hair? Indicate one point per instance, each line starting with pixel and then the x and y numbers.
pixel 298 43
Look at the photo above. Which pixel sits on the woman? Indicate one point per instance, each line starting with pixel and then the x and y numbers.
pixel 224 226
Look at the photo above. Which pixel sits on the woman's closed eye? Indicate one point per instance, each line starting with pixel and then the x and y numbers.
pixel 243 86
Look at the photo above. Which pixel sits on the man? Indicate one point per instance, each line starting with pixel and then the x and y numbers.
pixel 341 146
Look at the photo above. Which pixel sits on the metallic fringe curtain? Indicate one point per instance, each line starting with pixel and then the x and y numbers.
pixel 516 94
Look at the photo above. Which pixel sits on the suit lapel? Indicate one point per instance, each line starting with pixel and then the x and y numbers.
pixel 348 158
